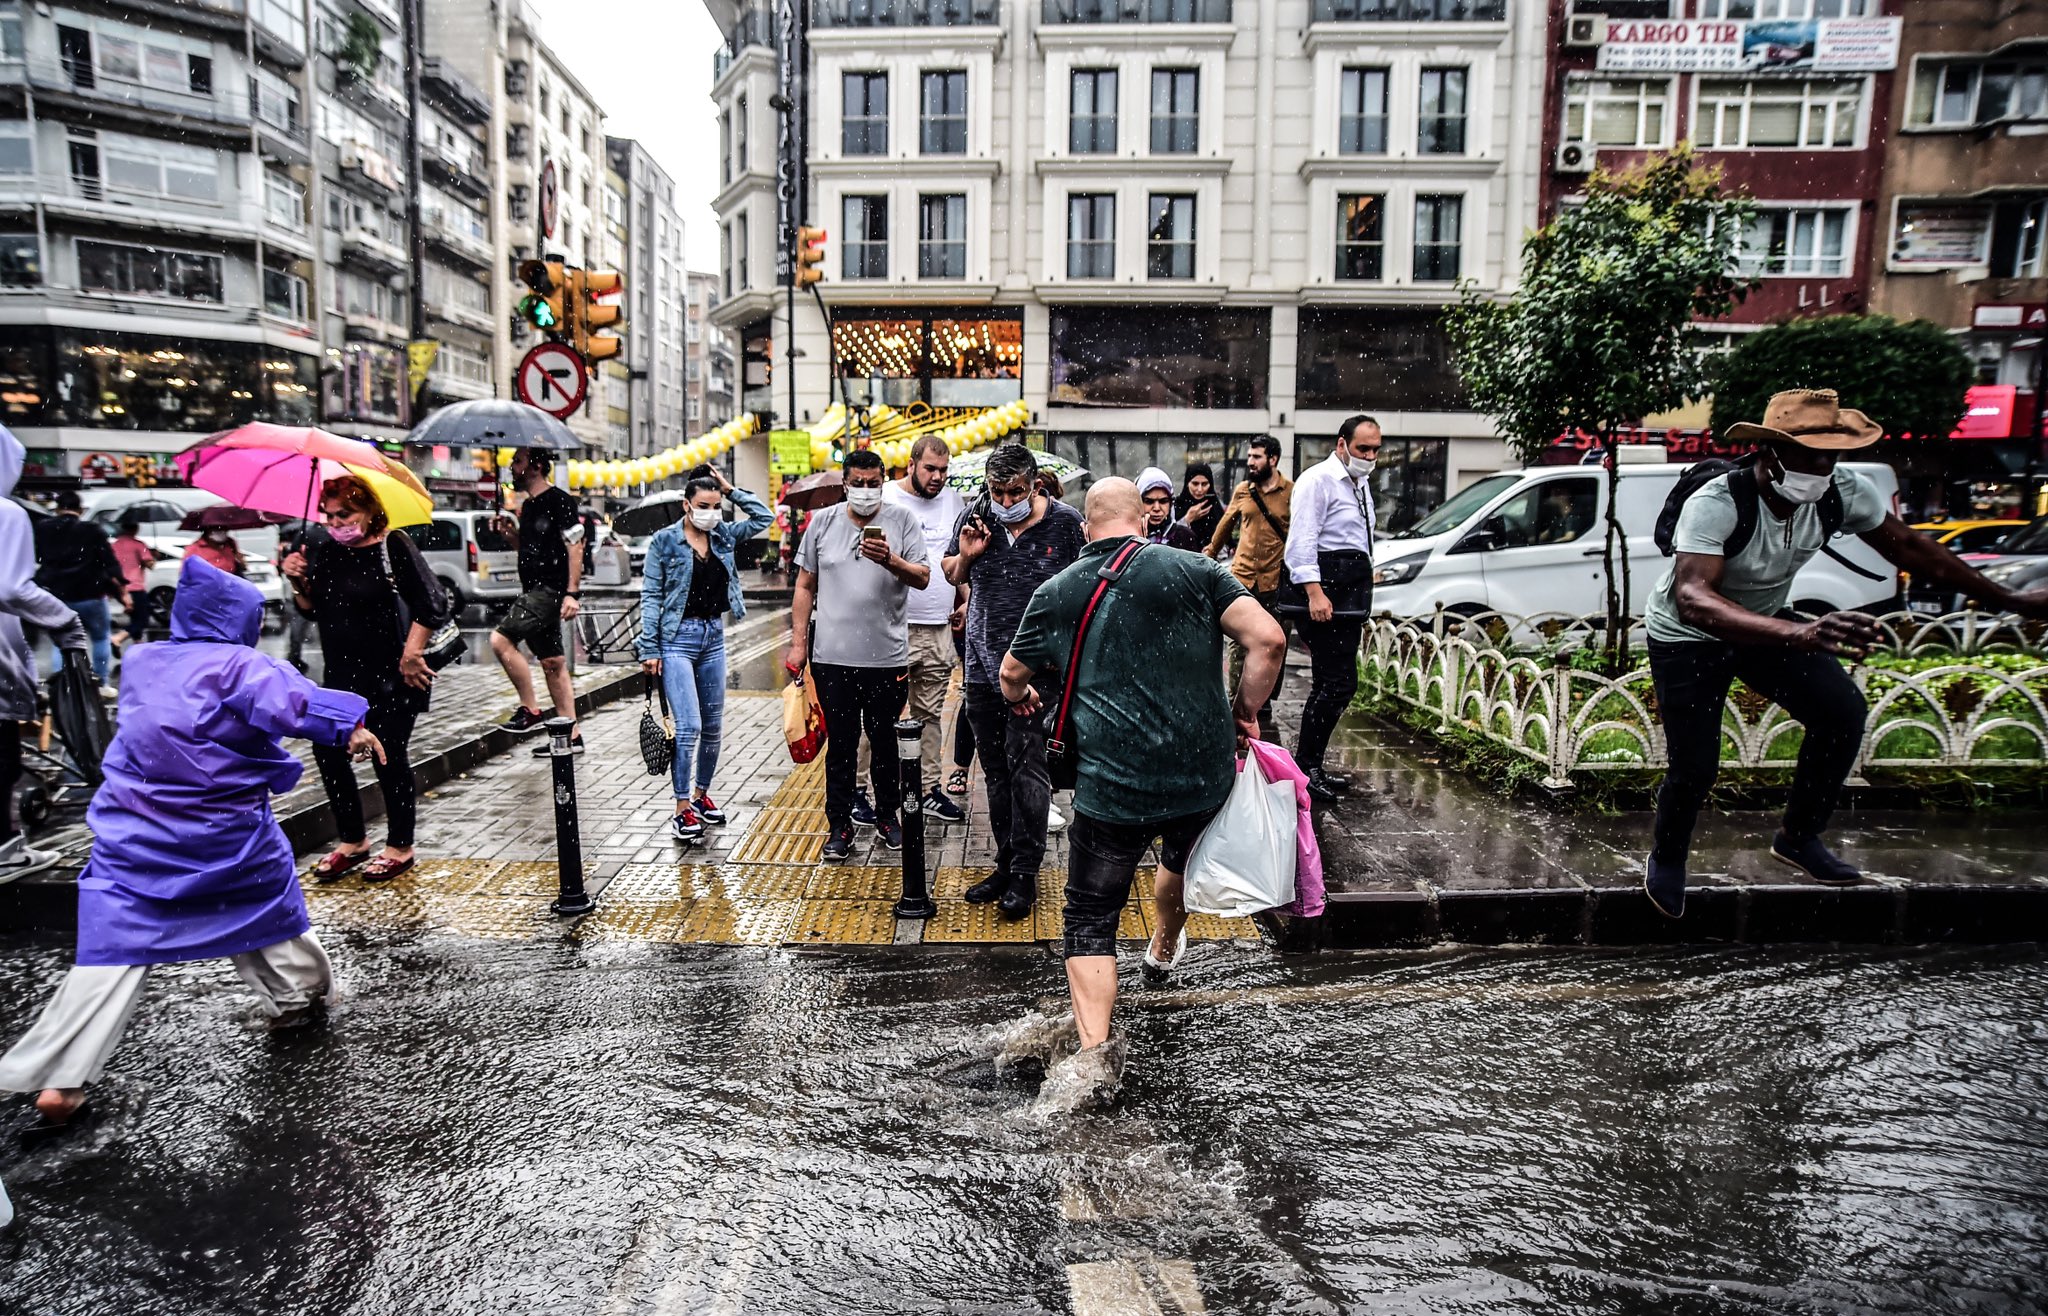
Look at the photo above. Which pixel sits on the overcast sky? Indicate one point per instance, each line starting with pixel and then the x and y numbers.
pixel 648 62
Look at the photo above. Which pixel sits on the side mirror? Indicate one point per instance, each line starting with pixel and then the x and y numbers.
pixel 1483 540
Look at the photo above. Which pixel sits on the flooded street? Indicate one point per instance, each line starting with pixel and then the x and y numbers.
pixel 611 1127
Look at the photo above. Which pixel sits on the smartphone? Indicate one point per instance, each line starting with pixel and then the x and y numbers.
pixel 874 532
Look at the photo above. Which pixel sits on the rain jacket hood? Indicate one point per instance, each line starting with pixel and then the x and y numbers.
pixel 12 455
pixel 21 599
pixel 213 607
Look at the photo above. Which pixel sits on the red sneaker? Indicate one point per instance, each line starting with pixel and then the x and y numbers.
pixel 708 810
pixel 686 826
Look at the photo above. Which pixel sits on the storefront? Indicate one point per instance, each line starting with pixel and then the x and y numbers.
pixel 56 377
pixel 947 358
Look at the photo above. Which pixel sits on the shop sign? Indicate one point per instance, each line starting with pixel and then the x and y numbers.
pixel 1989 414
pixel 1679 445
pixel 99 467
pixel 1827 45
pixel 1941 237
pixel 2009 315
pixel 789 452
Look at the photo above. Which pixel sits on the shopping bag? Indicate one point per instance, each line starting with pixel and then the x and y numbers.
pixel 1309 891
pixel 803 718
pixel 1244 861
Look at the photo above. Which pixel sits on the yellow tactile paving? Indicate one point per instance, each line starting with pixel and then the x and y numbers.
pixel 525 878
pixel 844 923
pixel 958 921
pixel 654 882
pixel 952 883
pixel 739 922
pixel 635 920
pixel 856 883
pixel 774 848
pixel 395 905
pixel 756 882
pixel 501 917
pixel 1208 927
pixel 789 822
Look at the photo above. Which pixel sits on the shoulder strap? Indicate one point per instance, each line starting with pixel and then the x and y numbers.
pixel 1831 512
pixel 1742 487
pixel 1110 572
pixel 1265 511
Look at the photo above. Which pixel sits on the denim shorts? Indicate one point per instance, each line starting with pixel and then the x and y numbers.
pixel 536 619
pixel 1101 860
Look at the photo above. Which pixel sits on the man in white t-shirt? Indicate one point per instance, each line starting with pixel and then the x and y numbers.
pixel 934 611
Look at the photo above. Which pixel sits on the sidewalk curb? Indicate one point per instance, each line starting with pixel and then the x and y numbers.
pixel 48 901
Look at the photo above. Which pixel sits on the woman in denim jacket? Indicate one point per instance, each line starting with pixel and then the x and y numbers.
pixel 691 583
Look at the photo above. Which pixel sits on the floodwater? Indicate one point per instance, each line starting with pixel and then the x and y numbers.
pixel 622 1128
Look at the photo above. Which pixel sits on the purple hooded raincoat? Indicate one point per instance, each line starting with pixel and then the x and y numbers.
pixel 187 861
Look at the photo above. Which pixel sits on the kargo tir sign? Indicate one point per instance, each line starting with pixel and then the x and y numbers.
pixel 551 377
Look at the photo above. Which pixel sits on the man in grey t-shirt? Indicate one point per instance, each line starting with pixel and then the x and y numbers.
pixel 859 562
pixel 1719 614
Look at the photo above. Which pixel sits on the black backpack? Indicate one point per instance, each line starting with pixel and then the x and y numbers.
pixel 1700 474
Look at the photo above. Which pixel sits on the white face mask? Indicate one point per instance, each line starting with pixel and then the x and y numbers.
pixel 704 518
pixel 1361 468
pixel 864 502
pixel 1798 487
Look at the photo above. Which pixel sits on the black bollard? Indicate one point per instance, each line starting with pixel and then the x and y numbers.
pixel 574 899
pixel 917 896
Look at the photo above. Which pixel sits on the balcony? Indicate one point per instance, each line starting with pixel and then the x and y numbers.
pixel 469 317
pixel 457 94
pixel 458 241
pixel 369 249
pixel 370 165
pixel 462 168
pixel 1059 12
pixel 755 28
pixel 905 13
pixel 76 85
pixel 1409 11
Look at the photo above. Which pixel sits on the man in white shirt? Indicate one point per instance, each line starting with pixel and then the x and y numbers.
pixel 933 611
pixel 1329 565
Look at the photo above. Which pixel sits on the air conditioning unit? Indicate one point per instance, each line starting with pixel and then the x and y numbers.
pixel 1585 29
pixel 1577 157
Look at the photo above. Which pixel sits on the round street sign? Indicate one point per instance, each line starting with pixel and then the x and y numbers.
pixel 551 377
pixel 550 199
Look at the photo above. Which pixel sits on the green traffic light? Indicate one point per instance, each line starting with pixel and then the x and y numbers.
pixel 536 312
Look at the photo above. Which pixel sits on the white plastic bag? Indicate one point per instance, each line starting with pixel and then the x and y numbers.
pixel 1244 861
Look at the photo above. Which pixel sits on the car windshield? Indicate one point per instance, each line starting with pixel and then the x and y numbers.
pixel 1460 508
pixel 2033 538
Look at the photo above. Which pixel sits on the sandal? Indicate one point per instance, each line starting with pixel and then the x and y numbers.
pixel 956 783
pixel 381 869
pixel 335 865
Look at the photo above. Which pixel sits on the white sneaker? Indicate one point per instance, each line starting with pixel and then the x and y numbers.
pixel 1055 821
pixel 18 860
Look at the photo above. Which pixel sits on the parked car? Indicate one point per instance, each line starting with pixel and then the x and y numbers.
pixel 161 580
pixel 1531 541
pixel 474 560
pixel 2019 562
pixel 159 511
pixel 1962 537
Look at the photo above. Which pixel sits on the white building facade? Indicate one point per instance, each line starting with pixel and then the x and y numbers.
pixel 656 299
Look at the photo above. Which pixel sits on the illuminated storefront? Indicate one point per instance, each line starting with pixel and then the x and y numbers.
pixel 972 358
pixel 61 377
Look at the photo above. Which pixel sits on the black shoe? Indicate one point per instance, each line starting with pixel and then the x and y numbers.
pixel 547 747
pixel 1815 860
pixel 891 833
pixel 1337 779
pixel 863 811
pixel 1320 788
pixel 1017 898
pixel 1664 884
pixel 524 722
pixel 936 805
pixel 989 888
pixel 839 846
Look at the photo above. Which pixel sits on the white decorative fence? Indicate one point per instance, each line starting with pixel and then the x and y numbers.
pixel 1964 690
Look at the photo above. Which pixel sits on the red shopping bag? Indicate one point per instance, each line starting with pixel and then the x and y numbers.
pixel 803 718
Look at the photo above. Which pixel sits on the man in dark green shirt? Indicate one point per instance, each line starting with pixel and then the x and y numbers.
pixel 1154 731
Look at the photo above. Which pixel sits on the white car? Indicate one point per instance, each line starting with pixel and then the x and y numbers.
pixel 1530 542
pixel 162 580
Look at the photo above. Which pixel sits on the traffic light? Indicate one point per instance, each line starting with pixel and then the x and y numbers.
pixel 810 256
pixel 542 307
pixel 588 315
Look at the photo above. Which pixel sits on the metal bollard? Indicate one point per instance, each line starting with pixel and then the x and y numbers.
pixel 917 896
pixel 574 899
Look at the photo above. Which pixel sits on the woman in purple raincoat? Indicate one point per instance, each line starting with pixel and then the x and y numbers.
pixel 187 861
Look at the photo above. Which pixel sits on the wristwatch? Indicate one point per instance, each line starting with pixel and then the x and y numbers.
pixel 572 594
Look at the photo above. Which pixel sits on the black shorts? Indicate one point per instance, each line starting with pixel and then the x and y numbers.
pixel 1101 860
pixel 536 621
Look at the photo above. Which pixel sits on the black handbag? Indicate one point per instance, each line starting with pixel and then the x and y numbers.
pixel 1062 755
pixel 1347 583
pixel 445 644
pixel 657 736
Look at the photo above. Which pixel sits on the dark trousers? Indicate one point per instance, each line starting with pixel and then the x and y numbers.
pixel 1692 690
pixel 963 736
pixel 393 727
pixel 10 774
pixel 1102 857
pixel 1333 679
pixel 859 700
pixel 1013 767
pixel 140 617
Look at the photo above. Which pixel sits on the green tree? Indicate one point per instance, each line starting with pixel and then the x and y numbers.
pixel 1907 375
pixel 1602 329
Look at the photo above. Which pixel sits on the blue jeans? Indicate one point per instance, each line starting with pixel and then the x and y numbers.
pixel 693 678
pixel 99 630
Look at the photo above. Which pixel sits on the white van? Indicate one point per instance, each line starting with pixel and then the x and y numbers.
pixel 1530 541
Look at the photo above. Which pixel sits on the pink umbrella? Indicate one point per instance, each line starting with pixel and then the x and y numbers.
pixel 273 468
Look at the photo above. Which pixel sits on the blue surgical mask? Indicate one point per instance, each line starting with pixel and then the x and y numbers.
pixel 1015 514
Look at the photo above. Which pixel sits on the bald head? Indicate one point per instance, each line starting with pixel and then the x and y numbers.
pixel 1113 509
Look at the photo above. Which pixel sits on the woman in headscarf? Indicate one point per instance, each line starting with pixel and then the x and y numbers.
pixel 1196 504
pixel 1155 491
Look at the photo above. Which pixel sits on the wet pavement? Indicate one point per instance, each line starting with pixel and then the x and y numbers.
pixel 498 1127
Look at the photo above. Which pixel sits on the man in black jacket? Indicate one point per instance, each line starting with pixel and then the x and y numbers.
pixel 75 562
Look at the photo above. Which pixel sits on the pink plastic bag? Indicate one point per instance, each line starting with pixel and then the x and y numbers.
pixel 1279 765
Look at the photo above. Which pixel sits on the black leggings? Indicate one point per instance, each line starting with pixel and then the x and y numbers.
pixel 10 774
pixel 1333 678
pixel 1692 690
pixel 392 726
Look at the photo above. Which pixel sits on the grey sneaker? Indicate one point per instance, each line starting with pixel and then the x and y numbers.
pixel 1082 1080
pixel 18 860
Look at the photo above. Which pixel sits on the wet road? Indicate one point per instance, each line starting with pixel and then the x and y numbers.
pixel 604 1127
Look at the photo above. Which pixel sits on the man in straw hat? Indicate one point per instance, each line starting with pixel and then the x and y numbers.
pixel 1720 613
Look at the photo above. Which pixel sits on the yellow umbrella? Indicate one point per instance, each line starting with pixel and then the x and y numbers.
pixel 404 500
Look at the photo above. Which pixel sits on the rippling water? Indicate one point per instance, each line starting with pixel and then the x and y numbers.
pixel 618 1128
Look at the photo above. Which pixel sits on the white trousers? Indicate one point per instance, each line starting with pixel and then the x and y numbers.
pixel 83 1023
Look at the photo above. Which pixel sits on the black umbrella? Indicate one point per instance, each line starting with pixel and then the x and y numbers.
pixel 656 511
pixel 220 516
pixel 494 423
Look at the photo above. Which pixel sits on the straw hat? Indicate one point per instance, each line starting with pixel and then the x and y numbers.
pixel 1811 418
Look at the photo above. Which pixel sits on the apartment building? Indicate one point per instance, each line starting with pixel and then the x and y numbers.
pixel 462 243
pixel 1168 225
pixel 156 249
pixel 710 370
pixel 655 298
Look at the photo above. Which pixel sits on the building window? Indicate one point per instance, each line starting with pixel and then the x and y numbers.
pixel 866 242
pixel 284 201
pixel 17 148
pixel 742 249
pixel 1091 127
pixel 1091 235
pixel 1630 112
pixel 741 151
pixel 21 260
pixel 2016 238
pixel 943 127
pixel 1361 237
pixel 1362 112
pixel 1176 111
pixel 1785 8
pixel 1735 114
pixel 724 148
pixel 1439 219
pixel 1160 356
pixel 1170 238
pixel 1440 128
pixel 1797 242
pixel 1388 357
pixel 284 296
pixel 864 116
pixel 1424 11
pixel 942 237
pixel 725 255
pixel 1957 93
pixel 143 166
pixel 149 272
